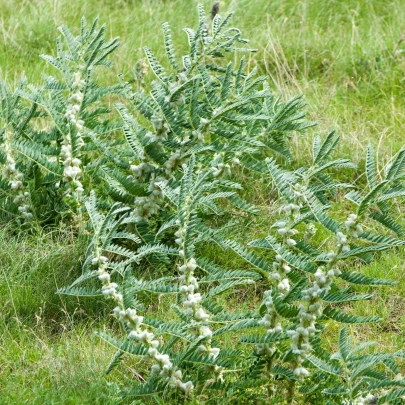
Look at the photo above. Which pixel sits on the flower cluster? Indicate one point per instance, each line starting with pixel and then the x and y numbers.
pixel 269 319
pixel 72 170
pixel 173 162
pixel 279 275
pixel 311 307
pixel 222 169
pixel 161 130
pixel 149 205
pixel 15 179
pixel 108 289
pixel 192 302
pixel 309 311
pixel 270 322
pixel 352 226
pixel 140 170
pixel 280 272
pixel 369 399
pixel 161 362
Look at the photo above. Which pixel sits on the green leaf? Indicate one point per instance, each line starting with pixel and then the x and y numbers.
pixel 80 291
pixel 370 198
pixel 35 153
pixel 157 68
pixel 258 263
pixel 343 317
pixel 345 297
pixel 323 365
pixel 320 152
pixel 344 343
pixel 283 309
pixel 361 279
pixel 396 168
pixel 278 370
pixel 371 170
pixel 388 222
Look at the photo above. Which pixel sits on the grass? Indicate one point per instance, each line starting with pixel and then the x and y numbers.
pixel 48 352
pixel 346 57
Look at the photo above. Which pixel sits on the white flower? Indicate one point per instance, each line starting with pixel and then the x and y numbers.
pixel 286 268
pixel 152 352
pixel 205 331
pixel 265 321
pixel 155 369
pixel 280 224
pixel 201 315
pixel 282 231
pixel 164 360
pixel 349 223
pixel 192 264
pixel 15 184
pixel 295 207
pixel 320 276
pixel 192 280
pixel 108 291
pixel 185 289
pixel 192 300
pixel 291 242
pixel 214 352
pixel 341 238
pixel 104 277
pixel 187 386
pixel 76 162
pixel 301 371
pixel 71 172
pixel 284 285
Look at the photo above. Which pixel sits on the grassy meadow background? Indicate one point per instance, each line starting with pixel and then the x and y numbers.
pixel 348 59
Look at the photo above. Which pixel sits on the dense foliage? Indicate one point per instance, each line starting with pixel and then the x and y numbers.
pixel 161 177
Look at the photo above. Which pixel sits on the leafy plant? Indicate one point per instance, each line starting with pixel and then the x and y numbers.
pixel 307 288
pixel 47 131
pixel 170 192
pixel 316 281
pixel 217 113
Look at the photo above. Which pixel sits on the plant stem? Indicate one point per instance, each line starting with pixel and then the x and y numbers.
pixel 291 392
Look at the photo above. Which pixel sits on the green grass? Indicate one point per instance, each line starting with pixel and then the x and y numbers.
pixel 346 57
pixel 48 351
